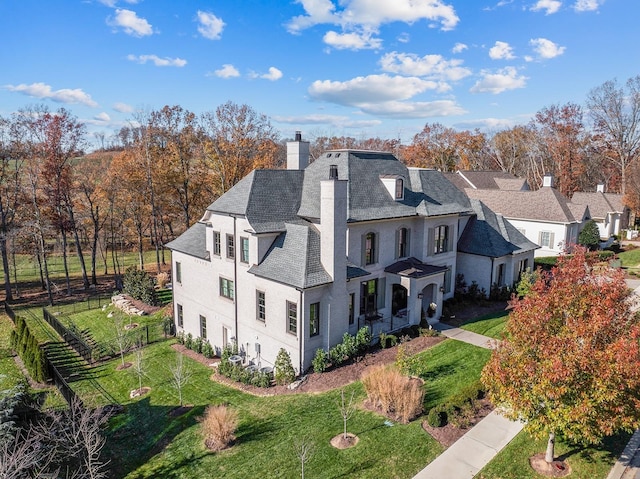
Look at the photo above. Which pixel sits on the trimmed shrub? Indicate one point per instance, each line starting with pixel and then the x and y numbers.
pixel 363 340
pixel 197 345
pixel 320 361
pixel 207 349
pixel 589 236
pixel 218 427
pixel 336 356
pixel 438 416
pixel 188 341
pixel 284 372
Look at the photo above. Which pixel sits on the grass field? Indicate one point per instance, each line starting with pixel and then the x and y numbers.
pixel 491 325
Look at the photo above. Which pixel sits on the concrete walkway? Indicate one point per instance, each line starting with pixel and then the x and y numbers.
pixel 469 454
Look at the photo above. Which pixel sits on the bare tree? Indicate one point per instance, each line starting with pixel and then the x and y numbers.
pixel 180 375
pixel 304 448
pixel 346 409
pixel 24 455
pixel 121 337
pixel 616 120
pixel 139 368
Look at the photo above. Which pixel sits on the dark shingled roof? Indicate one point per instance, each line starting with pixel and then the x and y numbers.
pixel 414 268
pixel 426 192
pixel 294 258
pixel 268 199
pixel 489 234
pixel 191 242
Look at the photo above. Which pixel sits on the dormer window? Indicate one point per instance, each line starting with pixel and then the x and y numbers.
pixel 399 188
pixel 394 185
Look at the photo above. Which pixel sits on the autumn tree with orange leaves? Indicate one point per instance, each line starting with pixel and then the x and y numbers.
pixel 568 364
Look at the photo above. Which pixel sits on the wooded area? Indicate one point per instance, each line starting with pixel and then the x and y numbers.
pixel 151 180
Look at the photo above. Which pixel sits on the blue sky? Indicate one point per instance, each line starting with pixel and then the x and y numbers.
pixel 360 68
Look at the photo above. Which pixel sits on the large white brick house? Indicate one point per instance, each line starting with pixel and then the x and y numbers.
pixel 295 258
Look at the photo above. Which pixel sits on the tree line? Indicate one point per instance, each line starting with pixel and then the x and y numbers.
pixel 155 176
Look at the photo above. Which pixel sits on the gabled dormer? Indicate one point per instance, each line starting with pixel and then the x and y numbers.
pixel 394 185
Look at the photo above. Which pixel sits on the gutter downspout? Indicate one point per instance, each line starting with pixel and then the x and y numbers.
pixel 300 334
pixel 491 279
pixel 235 283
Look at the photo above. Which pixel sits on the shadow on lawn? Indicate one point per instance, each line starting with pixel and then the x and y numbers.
pixel 143 432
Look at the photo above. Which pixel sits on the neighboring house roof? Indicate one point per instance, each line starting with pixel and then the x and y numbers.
pixel 267 198
pixel 294 258
pixel 487 180
pixel 191 242
pixel 600 204
pixel 489 234
pixel 414 268
pixel 426 192
pixel 546 204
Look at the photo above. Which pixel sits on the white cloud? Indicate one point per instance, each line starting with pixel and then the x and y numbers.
pixel 112 3
pixel 227 71
pixel 501 51
pixel 404 37
pixel 487 124
pixel 587 5
pixel 369 89
pixel 549 6
pixel 352 41
pixel 399 109
pixel 372 13
pixel 102 117
pixel 65 95
pixel 130 23
pixel 430 66
pixel 335 120
pixel 459 48
pixel 157 61
pixel 122 107
pixel 210 26
pixel 503 80
pixel 273 75
pixel 545 49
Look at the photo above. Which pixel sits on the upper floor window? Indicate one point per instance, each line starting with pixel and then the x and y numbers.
pixel 244 250
pixel 292 317
pixel 226 288
pixel 369 249
pixel 402 243
pixel 231 247
pixel 441 239
pixel 178 272
pixel 314 319
pixel 261 306
pixel 399 188
pixel 216 243
pixel 352 306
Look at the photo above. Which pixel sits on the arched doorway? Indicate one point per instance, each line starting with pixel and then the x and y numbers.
pixel 398 299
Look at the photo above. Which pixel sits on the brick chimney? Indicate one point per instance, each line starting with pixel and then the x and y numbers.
pixel 297 153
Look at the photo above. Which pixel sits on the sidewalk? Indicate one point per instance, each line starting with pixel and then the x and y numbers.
pixel 469 454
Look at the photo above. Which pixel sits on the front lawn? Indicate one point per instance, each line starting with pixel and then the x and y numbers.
pixel 593 462
pixel 145 441
pixel 491 325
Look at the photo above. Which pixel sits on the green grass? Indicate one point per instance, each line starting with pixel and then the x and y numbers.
pixel 10 373
pixel 593 462
pixel 630 258
pixel 27 268
pixel 146 442
pixel 491 325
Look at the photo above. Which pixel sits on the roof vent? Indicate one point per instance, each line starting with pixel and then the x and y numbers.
pixel 298 136
pixel 333 172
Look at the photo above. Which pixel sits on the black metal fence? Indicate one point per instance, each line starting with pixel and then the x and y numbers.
pixel 67 392
pixel 71 338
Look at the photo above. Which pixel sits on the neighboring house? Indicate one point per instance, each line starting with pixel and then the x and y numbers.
pixel 545 216
pixel 607 210
pixel 487 180
pixel 295 258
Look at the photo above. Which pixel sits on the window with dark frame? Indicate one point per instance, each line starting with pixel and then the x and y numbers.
pixel 292 318
pixel 399 189
pixel 370 248
pixel 244 250
pixel 180 316
pixel 352 307
pixel 261 304
pixel 403 243
pixel 226 288
pixel 441 239
pixel 203 327
pixel 314 319
pixel 369 298
pixel 216 243
pixel 178 272
pixel 231 247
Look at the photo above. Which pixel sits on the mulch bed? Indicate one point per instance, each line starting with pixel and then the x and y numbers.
pixel 449 434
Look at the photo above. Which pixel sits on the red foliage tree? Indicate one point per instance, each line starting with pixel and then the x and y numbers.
pixel 569 360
